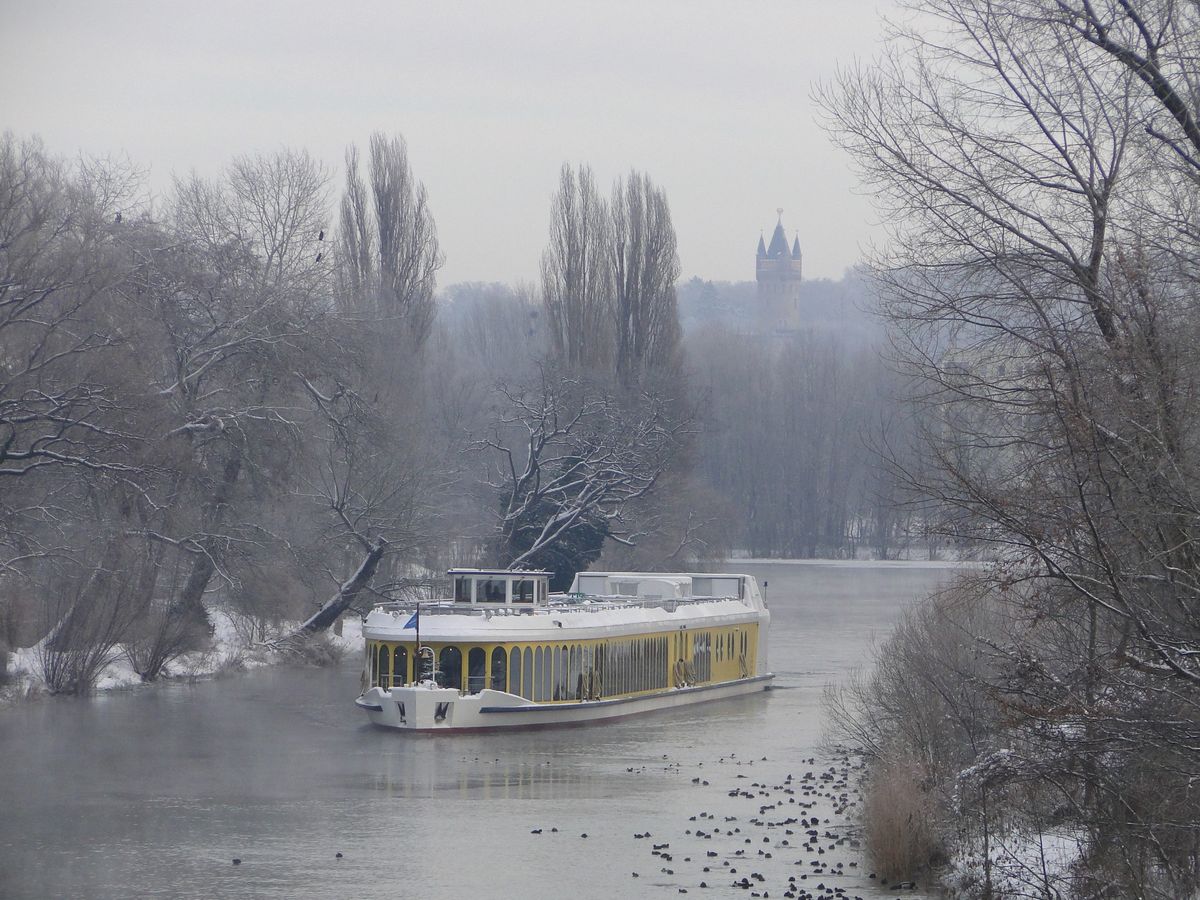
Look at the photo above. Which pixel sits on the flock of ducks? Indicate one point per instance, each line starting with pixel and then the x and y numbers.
pixel 798 840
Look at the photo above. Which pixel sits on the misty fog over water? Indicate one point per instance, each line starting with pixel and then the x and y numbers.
pixel 154 792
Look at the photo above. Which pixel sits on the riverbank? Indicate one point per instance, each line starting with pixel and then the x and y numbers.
pixel 240 644
pixel 237 646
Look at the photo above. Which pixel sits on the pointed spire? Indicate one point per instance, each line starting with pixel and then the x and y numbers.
pixel 796 248
pixel 778 247
pixel 762 247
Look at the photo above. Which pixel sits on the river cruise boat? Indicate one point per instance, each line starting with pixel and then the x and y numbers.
pixel 505 652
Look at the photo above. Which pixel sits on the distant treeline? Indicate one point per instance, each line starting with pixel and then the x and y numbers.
pixel 789 427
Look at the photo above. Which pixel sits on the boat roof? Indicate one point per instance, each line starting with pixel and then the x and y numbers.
pixel 673 575
pixel 512 573
pixel 555 622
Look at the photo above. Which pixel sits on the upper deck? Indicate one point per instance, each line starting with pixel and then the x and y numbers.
pixel 504 605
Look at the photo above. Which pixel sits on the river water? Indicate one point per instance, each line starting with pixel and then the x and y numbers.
pixel 153 793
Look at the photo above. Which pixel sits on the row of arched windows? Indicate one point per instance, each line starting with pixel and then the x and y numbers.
pixel 556 672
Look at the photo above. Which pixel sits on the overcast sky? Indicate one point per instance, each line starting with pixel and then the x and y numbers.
pixel 711 99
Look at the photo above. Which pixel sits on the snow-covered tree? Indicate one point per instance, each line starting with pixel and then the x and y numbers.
pixel 566 461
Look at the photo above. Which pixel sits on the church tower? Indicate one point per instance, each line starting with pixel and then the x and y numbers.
pixel 778 273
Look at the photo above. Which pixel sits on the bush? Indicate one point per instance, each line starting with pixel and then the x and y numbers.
pixel 316 649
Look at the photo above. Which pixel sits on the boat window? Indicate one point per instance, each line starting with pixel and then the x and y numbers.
pixel 557 693
pixel 523 590
pixel 594 585
pixel 450 662
pixel 702 587
pixel 566 685
pixel 400 667
pixel 547 680
pixel 462 589
pixel 725 587
pixel 527 675
pixel 656 670
pixel 539 666
pixel 636 667
pixel 652 663
pixel 662 665
pixel 476 670
pixel 640 671
pixel 574 676
pixel 498 662
pixel 701 664
pixel 627 588
pixel 385 666
pixel 586 669
pixel 490 590
pixel 373 652
pixel 514 671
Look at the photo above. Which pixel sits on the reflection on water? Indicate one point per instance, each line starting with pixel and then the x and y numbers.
pixel 154 792
pixel 525 781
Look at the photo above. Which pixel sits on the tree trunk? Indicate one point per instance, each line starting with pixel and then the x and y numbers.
pixel 346 593
pixel 188 609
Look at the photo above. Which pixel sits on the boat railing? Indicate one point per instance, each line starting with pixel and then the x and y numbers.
pixel 558 604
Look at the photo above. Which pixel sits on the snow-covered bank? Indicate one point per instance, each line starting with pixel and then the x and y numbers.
pixel 1023 864
pixel 232 650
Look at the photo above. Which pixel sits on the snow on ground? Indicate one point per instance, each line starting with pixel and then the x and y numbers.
pixel 234 648
pixel 1024 864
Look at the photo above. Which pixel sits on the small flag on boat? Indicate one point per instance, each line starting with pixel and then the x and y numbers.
pixel 412 622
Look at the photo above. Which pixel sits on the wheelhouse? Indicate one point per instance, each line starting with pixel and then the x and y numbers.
pixel 501 587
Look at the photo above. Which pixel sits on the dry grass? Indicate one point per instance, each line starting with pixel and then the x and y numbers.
pixel 898 821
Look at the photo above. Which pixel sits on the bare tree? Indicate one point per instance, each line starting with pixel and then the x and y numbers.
pixel 55 266
pixel 1037 160
pixel 567 460
pixel 232 302
pixel 1157 43
pixel 389 254
pixel 577 273
pixel 683 524
pixel 65 432
pixel 174 400
pixel 645 269
pixel 367 490
pixel 788 429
